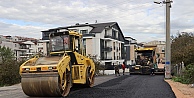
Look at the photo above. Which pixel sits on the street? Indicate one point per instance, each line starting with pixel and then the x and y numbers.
pixel 110 86
pixel 134 86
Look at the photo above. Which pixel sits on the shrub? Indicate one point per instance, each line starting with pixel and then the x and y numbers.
pixel 9 68
pixel 9 73
pixel 188 75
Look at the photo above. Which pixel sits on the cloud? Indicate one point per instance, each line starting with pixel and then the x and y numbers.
pixel 17 30
pixel 141 19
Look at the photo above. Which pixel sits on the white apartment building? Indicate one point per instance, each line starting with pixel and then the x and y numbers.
pixel 21 46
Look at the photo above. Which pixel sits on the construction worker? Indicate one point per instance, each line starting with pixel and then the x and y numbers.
pixel 116 67
pixel 152 69
pixel 123 67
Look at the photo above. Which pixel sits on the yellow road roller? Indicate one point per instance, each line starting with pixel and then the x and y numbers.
pixel 55 74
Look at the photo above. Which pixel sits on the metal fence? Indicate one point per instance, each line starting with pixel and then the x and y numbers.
pixel 177 69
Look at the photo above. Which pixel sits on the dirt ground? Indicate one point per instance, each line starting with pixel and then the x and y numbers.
pixel 181 90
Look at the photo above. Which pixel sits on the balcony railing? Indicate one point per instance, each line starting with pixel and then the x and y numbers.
pixel 23 47
pixel 106 48
pixel 107 36
pixel 108 58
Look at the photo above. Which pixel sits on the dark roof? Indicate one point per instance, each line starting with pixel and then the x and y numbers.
pixel 97 27
pixel 77 25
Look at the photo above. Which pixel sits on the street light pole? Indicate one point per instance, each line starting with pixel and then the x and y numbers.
pixel 168 44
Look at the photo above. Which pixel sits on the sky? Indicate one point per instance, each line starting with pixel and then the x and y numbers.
pixel 142 20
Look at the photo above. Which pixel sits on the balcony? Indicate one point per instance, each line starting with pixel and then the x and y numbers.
pixel 24 48
pixel 108 58
pixel 106 48
pixel 23 55
pixel 107 36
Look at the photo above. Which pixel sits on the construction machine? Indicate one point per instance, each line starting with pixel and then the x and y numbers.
pixel 145 56
pixel 55 74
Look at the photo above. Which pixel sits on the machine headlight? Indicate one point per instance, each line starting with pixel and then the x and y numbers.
pixel 27 69
pixel 50 67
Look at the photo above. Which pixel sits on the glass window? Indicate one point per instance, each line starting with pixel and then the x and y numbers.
pixel 83 31
pixel 59 43
pixel 84 44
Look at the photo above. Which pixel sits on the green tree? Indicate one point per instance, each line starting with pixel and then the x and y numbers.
pixel 182 48
pixel 9 68
pixel 6 55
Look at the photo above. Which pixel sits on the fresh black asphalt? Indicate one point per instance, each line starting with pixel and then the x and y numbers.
pixel 133 86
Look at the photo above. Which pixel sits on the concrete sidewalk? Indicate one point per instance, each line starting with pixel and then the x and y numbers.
pixel 181 90
pixel 13 87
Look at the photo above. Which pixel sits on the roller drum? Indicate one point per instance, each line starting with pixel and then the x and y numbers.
pixel 41 84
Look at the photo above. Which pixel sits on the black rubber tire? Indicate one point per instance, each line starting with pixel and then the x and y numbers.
pixel 89 78
pixel 68 78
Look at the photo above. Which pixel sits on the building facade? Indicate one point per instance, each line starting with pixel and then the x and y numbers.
pixel 130 45
pixel 21 46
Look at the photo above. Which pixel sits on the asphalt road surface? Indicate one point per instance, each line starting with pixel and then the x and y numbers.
pixel 133 86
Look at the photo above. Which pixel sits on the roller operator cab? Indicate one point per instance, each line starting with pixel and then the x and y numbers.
pixel 55 74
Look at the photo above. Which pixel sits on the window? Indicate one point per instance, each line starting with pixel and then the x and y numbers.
pixel 83 31
pixel 114 45
pixel 60 43
pixel 84 44
pixel 119 47
pixel 114 56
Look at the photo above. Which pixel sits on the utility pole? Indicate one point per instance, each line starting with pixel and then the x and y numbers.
pixel 168 43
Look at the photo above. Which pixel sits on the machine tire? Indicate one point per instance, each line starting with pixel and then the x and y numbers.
pixel 65 85
pixel 89 78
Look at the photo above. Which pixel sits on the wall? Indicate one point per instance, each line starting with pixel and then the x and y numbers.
pixel 89 46
pixel 132 52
